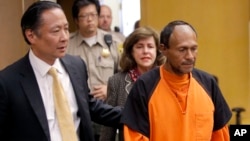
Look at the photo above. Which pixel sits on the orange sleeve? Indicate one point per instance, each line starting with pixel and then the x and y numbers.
pixel 221 134
pixel 132 135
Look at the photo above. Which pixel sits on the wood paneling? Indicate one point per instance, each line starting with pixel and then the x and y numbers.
pixel 12 45
pixel 223 39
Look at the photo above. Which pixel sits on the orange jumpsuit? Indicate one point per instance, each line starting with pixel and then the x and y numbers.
pixel 165 107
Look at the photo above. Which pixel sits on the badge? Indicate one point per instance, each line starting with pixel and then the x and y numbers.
pixel 105 52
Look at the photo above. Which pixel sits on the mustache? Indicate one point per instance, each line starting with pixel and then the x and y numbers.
pixel 188 62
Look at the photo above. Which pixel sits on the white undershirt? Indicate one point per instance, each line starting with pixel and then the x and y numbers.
pixel 45 85
pixel 91 40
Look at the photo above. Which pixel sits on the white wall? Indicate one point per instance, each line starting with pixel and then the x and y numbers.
pixel 131 12
pixel 116 12
pixel 125 13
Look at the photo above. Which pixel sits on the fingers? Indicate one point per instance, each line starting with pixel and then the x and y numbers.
pixel 97 87
pixel 100 96
pixel 99 92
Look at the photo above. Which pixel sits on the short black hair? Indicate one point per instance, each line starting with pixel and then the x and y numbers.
pixel 31 19
pixel 168 30
pixel 78 4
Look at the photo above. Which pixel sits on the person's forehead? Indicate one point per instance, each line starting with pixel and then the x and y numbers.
pixel 52 12
pixel 182 33
pixel 53 16
pixel 90 7
pixel 182 28
pixel 105 9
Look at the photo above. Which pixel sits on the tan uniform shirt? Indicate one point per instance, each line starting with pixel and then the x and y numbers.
pixel 100 67
pixel 120 37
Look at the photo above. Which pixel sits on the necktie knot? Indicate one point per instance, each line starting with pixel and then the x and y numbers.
pixel 52 71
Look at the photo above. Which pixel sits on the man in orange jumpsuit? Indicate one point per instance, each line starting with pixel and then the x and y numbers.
pixel 176 102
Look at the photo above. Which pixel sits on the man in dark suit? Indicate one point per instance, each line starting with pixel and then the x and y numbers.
pixel 27 110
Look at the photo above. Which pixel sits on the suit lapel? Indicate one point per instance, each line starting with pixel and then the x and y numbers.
pixel 74 77
pixel 76 72
pixel 80 89
pixel 33 94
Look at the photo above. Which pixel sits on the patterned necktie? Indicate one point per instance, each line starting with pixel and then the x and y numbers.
pixel 64 116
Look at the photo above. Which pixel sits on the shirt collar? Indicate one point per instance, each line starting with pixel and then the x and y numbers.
pixel 100 38
pixel 42 67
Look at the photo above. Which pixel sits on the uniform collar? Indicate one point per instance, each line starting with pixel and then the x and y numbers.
pixel 100 37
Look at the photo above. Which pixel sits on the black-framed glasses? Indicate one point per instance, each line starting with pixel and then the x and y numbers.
pixel 89 15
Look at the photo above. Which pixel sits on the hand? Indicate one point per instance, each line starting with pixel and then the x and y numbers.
pixel 99 92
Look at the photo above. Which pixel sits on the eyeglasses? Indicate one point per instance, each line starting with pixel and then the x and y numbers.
pixel 87 16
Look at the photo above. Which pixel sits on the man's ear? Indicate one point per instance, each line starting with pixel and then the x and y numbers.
pixel 30 35
pixel 162 48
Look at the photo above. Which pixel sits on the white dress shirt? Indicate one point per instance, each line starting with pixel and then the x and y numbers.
pixel 45 81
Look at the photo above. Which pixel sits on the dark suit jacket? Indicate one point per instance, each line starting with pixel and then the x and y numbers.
pixel 22 113
pixel 119 86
